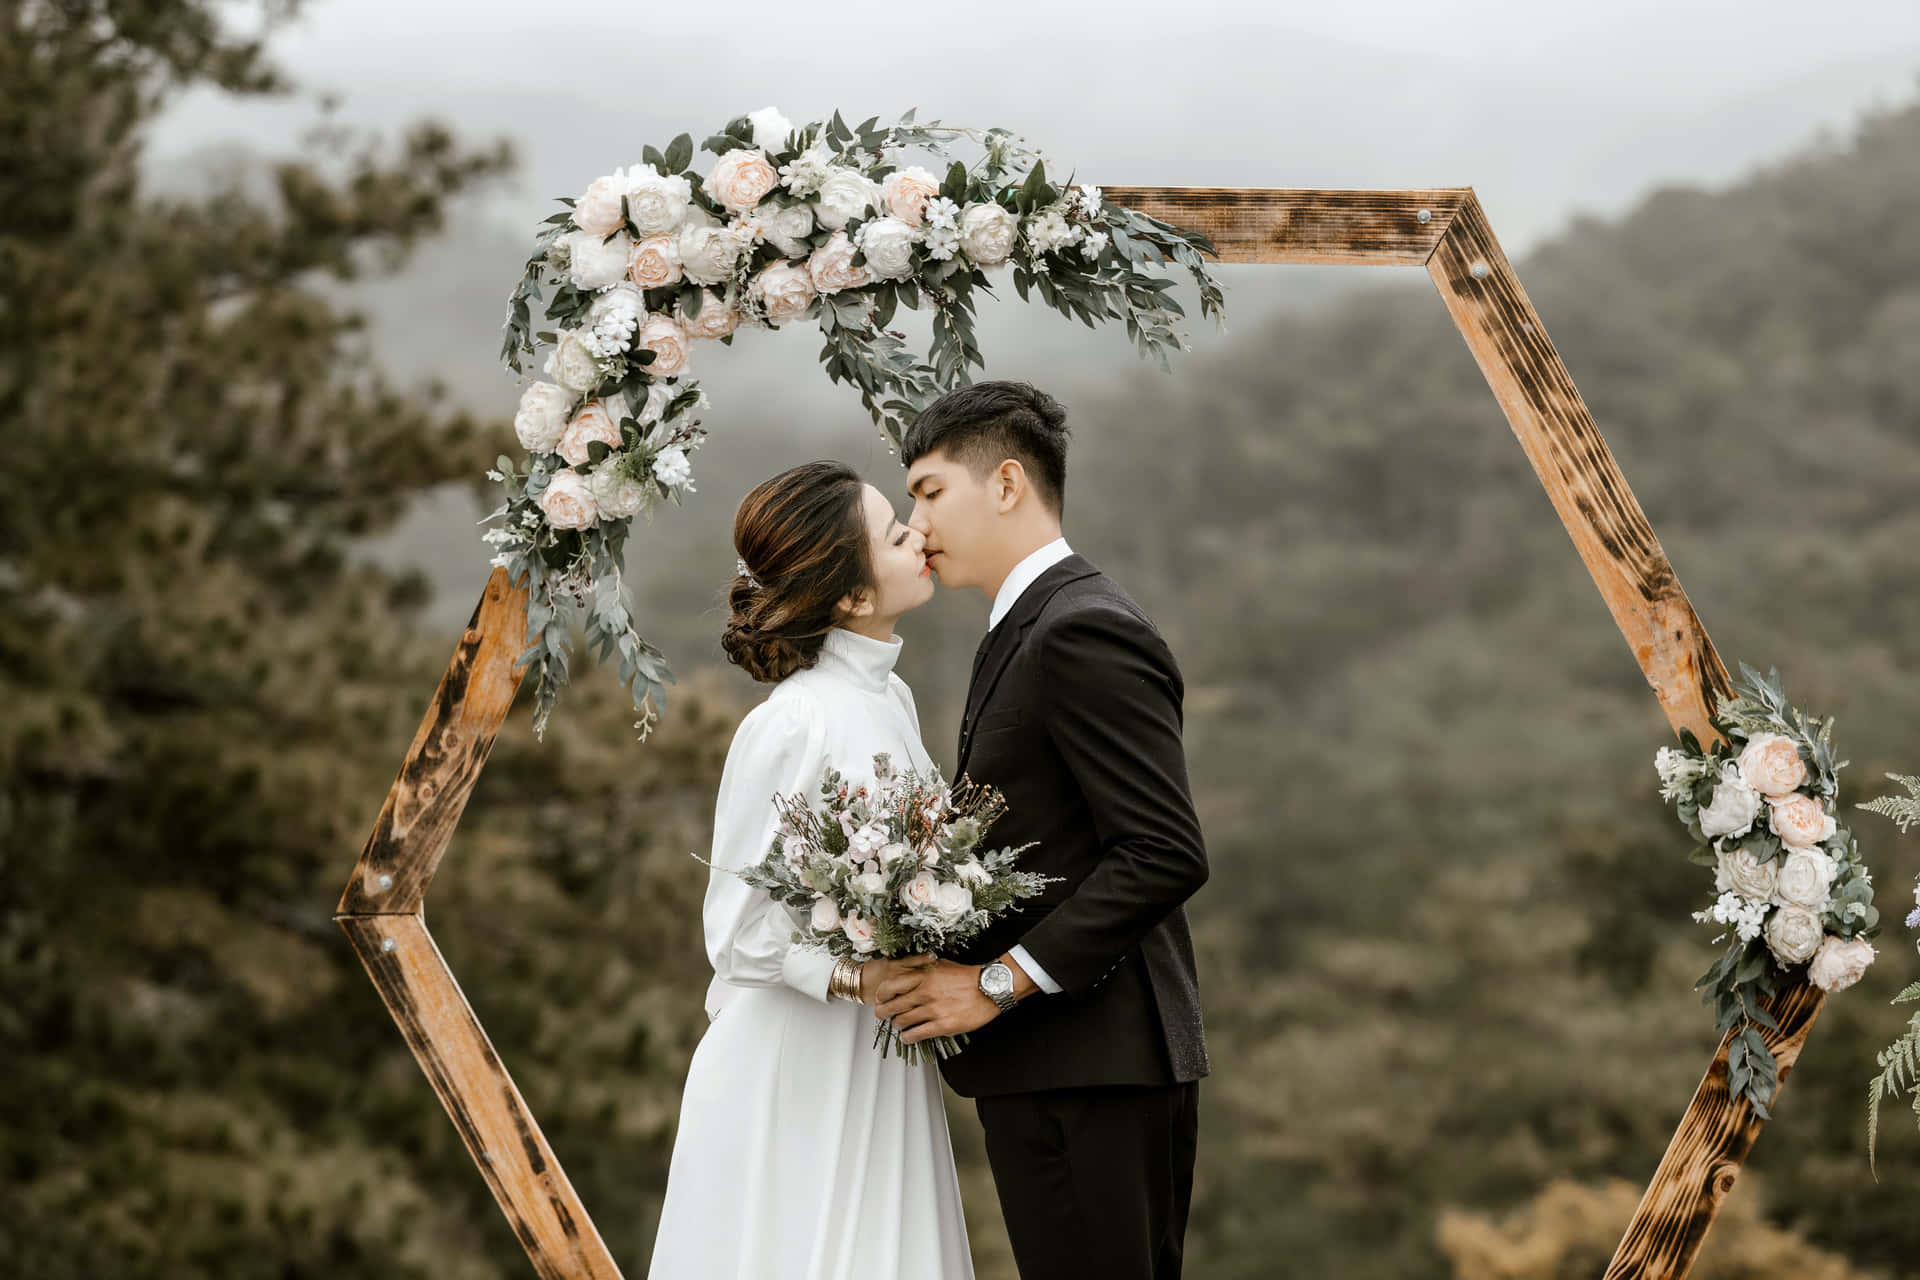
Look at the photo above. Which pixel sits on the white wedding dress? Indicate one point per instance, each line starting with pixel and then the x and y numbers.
pixel 801 1153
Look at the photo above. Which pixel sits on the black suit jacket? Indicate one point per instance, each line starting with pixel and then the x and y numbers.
pixel 1074 715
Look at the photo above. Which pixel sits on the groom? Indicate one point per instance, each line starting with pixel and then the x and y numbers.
pixel 1086 1048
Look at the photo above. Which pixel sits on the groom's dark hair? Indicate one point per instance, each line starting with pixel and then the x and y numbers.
pixel 982 425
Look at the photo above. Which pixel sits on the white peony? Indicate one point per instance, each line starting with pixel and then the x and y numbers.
pixel 653 263
pixel 1793 935
pixel 568 502
pixel 740 179
pixel 986 234
pixel 1747 875
pixel 825 917
pixel 888 244
pixel 659 395
pixel 770 129
pixel 787 228
pixel 593 422
pixel 655 202
pixel 1805 877
pixel 672 468
pixel 784 291
pixel 951 902
pixel 1734 807
pixel 663 336
pixel 906 192
pixel 543 414
pixel 573 364
pixel 618 495
pixel 594 263
pixel 832 269
pixel 844 194
pixel 709 252
pixel 598 211
pixel 1840 963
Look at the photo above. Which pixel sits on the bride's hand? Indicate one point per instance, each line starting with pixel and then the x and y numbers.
pixel 882 979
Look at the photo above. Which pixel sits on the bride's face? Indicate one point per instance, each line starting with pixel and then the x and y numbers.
pixel 901 579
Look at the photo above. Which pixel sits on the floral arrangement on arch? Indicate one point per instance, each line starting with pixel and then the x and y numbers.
pixel 1793 889
pixel 822 222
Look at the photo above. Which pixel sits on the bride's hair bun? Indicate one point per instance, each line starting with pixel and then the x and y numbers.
pixel 802 537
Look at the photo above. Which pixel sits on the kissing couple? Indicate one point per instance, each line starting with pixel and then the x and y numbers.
pixel 802 1153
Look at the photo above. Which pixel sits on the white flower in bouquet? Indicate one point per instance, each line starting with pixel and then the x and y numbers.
pixel 1771 764
pixel 597 211
pixel 972 873
pixel 1748 876
pixel 919 893
pixel 906 192
pixel 1678 771
pixel 672 468
pixel 825 917
pixel 869 884
pixel 659 395
pixel 805 172
pixel 1841 962
pixel 1805 877
pixel 831 266
pixel 653 263
pixel 662 335
pixel 1050 232
pixel 787 228
pixel 617 495
pixel 1793 935
pixel 594 263
pixel 594 421
pixel 542 416
pixel 709 253
pixel 573 364
pixel 892 853
pixel 567 502
pixel 859 931
pixel 951 902
pixel 866 841
pixel 716 318
pixel 1093 244
pixel 740 179
pixel 783 290
pixel 770 129
pixel 1800 820
pixel 656 202
pixel 1746 917
pixel 844 194
pixel 1085 199
pixel 987 234
pixel 612 318
pixel 888 243
pixel 1734 807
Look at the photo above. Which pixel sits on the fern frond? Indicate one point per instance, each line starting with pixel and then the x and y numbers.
pixel 1904 810
pixel 1911 993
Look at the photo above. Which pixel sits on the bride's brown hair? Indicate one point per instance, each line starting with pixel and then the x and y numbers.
pixel 803 538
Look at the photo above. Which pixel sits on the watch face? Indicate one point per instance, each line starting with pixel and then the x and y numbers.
pixel 996 980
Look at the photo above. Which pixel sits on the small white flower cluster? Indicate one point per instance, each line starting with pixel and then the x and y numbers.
pixel 1781 878
pixel 1069 221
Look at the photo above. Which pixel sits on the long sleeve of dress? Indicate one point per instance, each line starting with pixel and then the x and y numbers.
pixel 778 749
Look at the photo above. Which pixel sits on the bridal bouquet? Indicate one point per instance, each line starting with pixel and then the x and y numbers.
pixel 894 869
pixel 1793 889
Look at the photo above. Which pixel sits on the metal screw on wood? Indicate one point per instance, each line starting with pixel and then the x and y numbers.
pixel 388 944
pixel 386 882
pixel 1423 217
pixel 1479 270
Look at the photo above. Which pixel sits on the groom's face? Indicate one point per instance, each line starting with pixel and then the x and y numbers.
pixel 955 512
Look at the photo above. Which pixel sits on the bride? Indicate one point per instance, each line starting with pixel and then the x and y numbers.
pixel 801 1152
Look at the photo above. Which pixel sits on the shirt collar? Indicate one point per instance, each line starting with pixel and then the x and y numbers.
pixel 862 659
pixel 1023 576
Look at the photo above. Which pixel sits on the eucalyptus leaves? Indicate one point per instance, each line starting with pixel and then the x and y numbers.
pixel 824 222
pixel 1792 887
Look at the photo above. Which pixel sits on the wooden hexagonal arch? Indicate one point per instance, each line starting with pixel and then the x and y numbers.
pixel 1443 230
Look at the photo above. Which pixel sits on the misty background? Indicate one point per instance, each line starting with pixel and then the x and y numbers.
pixel 1446 959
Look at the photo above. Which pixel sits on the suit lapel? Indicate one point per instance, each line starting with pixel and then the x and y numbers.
pixel 997 650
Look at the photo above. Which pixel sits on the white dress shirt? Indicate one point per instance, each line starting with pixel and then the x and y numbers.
pixel 1015 586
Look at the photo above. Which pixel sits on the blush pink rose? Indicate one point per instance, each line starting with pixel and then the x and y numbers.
pixel 567 502
pixel 597 212
pixel 920 892
pixel 716 319
pixel 1800 820
pixel 906 192
pixel 1840 963
pixel 859 931
pixel 652 264
pixel 784 291
pixel 663 336
pixel 831 266
pixel 1771 764
pixel 592 422
pixel 741 179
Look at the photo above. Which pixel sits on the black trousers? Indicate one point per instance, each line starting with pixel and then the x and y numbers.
pixel 1094 1181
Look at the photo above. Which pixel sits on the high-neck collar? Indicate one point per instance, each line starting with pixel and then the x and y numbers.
pixel 862 659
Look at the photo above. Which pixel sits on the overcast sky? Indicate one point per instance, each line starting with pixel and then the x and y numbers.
pixel 1545 107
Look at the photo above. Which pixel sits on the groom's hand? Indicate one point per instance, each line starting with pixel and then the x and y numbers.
pixel 946 1002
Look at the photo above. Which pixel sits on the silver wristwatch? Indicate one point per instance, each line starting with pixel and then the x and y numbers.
pixel 996 984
